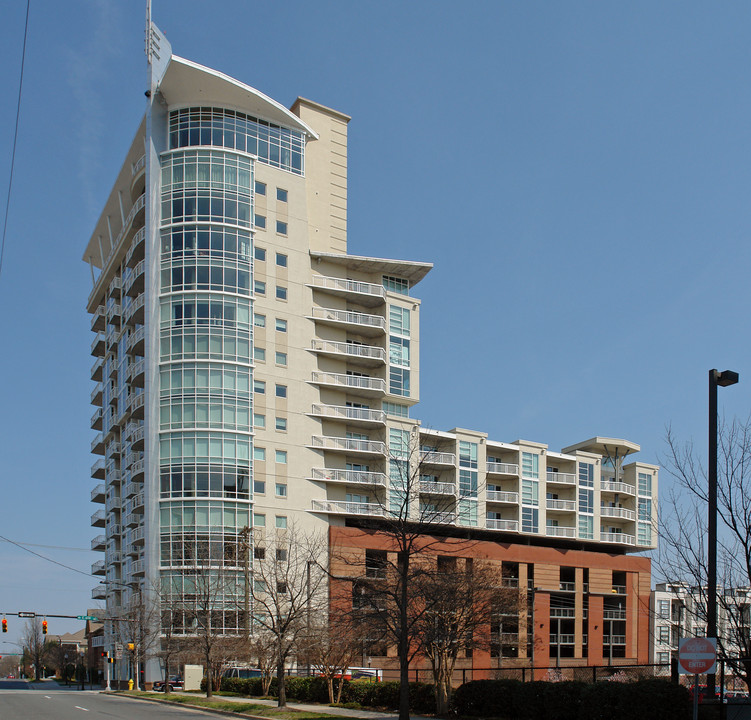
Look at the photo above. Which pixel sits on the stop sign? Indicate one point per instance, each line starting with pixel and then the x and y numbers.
pixel 697 656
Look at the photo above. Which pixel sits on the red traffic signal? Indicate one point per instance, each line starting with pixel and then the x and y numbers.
pixel 44 627
pixel 5 625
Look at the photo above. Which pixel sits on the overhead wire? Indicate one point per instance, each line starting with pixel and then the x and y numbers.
pixel 44 557
pixel 15 137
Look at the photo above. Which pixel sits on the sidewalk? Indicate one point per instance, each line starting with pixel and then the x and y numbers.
pixel 307 707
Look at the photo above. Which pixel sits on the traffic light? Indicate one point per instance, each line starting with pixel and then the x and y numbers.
pixel 5 625
pixel 44 627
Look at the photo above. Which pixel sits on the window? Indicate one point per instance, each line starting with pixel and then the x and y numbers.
pixel 259 421
pixel 260 188
pixel 281 325
pixel 529 519
pixel 281 490
pixel 281 424
pixel 396 284
pixel 281 587
pixel 259 354
pixel 281 358
pixel 396 409
pixel 259 487
pixel 663 608
pixel 281 227
pixel 259 386
pixel 664 634
pixel 281 457
pixel 281 195
pixel 259 288
pixel 259 253
pixel 645 509
pixel 259 453
pixel 663 658
pixel 281 292
pixel 259 520
pixel 259 320
pixel 281 554
pixel 399 320
pixel 399 381
pixel 260 221
pixel 281 521
pixel 645 484
pixel 259 553
pixel 281 260
pixel 586 475
pixel 281 391
pixel 530 465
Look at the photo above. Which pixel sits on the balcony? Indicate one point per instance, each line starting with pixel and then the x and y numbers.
pixel 494 468
pixel 562 639
pixel 617 512
pixel 133 550
pixel 135 405
pixel 115 287
pixel 96 369
pixel 138 568
pixel 113 312
pixel 430 487
pixel 136 341
pixel 112 502
pixel 564 586
pixel 97 445
pixel 616 538
pixel 98 543
pixel 134 282
pixel 137 536
pixel 349 477
pixel 353 384
pixel 617 487
pixel 562 612
pixel 362 293
pixel 355 322
pixel 560 531
pixel 97 494
pixel 132 488
pixel 98 593
pixel 114 557
pixel 363 417
pixel 134 312
pixel 558 478
pixel 98 319
pixel 613 639
pixel 135 251
pixel 136 470
pixel 561 505
pixel 114 529
pixel 506 498
pixel 333 507
pixel 97 469
pixel 137 170
pixel 97 519
pixel 96 394
pixel 132 519
pixel 496 524
pixel 97 568
pixel 619 589
pixel 433 457
pixel 136 504
pixel 349 446
pixel 437 517
pixel 114 449
pixel 614 614
pixel 136 439
pixel 96 419
pixel 97 345
pixel 356 354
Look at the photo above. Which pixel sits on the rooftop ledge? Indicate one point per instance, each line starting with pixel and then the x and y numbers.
pixel 407 269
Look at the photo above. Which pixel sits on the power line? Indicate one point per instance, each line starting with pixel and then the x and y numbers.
pixel 67 567
pixel 15 137
pixel 51 547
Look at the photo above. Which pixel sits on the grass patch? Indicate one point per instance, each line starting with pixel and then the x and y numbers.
pixel 240 708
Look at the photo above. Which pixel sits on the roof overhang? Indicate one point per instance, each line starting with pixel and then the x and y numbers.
pixel 412 271
pixel 188 83
pixel 605 447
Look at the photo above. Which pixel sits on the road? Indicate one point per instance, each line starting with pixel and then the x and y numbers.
pixel 20 700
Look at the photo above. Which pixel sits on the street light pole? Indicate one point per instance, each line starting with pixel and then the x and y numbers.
pixel 723 379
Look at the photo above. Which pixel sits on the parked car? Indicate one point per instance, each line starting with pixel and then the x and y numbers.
pixel 175 683
pixel 242 673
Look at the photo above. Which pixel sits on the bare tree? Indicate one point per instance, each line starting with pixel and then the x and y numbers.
pixel 261 651
pixel 136 629
pixel 417 518
pixel 34 645
pixel 289 585
pixel 683 535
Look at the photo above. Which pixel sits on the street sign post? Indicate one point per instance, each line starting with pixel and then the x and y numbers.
pixel 27 614
pixel 93 618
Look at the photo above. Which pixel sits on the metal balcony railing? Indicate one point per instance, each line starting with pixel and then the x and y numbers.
pixel 495 468
pixel 364 321
pixel 349 477
pixel 432 457
pixel 498 524
pixel 500 496
pixel 437 488
pixel 367 354
pixel 560 531
pixel 563 505
pixel 350 287
pixel 347 508
pixel 617 487
pixel 561 478
pixel 353 383
pixel 326 442
pixel 617 512
pixel 617 538
pixel 349 414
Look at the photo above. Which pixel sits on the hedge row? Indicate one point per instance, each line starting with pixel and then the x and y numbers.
pixel 362 692
pixel 603 700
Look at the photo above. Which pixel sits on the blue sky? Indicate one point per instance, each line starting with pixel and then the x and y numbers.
pixel 577 172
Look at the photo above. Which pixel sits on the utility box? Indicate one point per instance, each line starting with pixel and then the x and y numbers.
pixel 192 676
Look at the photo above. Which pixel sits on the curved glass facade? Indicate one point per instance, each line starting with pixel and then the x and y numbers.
pixel 205 368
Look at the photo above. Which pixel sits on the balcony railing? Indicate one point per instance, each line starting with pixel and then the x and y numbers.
pixel 617 538
pixel 347 508
pixel 355 384
pixel 97 469
pixel 361 354
pixel 138 165
pixel 349 477
pixel 617 512
pixel 96 369
pixel 561 478
pixel 562 505
pixel 138 567
pixel 97 519
pixel 431 487
pixel 500 496
pixel 327 442
pixel 560 531
pixel 432 457
pixel 613 639
pixel 438 517
pixel 350 414
pixel 98 593
pixel 562 639
pixel 137 535
pixel 562 612
pixel 97 494
pixel 362 292
pixel 132 313
pixel 497 524
pixel 135 339
pixel 137 469
pixel 97 568
pixel 98 321
pixel 617 487
pixel 97 345
pixel 564 586
pixel 495 468
pixel 135 244
pixel 363 323
pixel 135 280
pixel 614 614
pixel 98 543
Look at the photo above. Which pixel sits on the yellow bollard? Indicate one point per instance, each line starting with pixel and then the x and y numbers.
pixel 130 684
